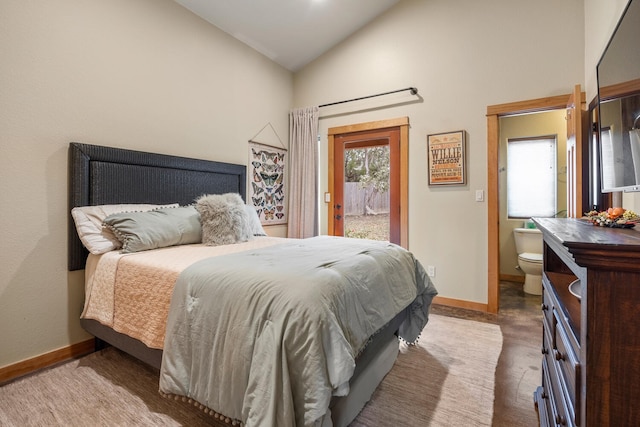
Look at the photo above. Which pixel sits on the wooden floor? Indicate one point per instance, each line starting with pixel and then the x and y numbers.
pixel 519 367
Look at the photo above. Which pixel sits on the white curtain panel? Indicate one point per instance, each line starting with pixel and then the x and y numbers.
pixel 303 176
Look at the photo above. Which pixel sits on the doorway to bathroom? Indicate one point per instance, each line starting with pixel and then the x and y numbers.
pixel 570 106
pixel 532 178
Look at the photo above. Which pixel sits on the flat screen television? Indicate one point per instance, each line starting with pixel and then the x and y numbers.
pixel 618 74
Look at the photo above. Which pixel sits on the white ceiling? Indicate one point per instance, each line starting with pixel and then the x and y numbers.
pixel 290 32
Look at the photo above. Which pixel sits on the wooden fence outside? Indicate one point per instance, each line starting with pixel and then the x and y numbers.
pixel 355 197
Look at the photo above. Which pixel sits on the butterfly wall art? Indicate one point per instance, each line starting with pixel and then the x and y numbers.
pixel 267 166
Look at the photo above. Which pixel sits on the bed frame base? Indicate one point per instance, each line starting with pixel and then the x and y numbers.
pixel 135 348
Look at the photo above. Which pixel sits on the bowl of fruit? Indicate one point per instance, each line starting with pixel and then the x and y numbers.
pixel 613 217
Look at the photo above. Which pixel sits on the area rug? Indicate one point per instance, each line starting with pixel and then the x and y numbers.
pixel 446 379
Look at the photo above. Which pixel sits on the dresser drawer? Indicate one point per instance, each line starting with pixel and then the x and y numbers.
pixel 547 344
pixel 562 416
pixel 557 411
pixel 545 400
pixel 568 368
pixel 543 407
pixel 547 300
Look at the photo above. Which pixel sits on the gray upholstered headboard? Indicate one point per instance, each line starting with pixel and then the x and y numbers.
pixel 106 175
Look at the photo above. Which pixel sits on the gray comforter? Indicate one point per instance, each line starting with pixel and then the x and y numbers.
pixel 269 336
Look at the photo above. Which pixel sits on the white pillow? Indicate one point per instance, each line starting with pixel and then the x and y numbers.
pixel 88 220
pixel 254 221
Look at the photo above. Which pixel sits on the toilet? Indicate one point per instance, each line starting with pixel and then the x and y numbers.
pixel 529 248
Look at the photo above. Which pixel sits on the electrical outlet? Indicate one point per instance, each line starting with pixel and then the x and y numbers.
pixel 431 271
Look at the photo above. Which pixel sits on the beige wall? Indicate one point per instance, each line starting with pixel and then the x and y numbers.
pixel 601 18
pixel 148 75
pixel 524 126
pixel 145 75
pixel 462 58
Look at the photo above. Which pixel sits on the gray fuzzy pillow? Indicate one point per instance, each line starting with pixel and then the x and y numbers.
pixel 224 219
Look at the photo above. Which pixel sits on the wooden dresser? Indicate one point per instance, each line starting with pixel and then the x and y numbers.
pixel 591 346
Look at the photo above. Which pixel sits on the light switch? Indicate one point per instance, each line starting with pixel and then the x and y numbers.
pixel 431 271
pixel 479 195
pixel 327 197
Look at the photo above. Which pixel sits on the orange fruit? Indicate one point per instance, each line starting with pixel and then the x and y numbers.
pixel 617 212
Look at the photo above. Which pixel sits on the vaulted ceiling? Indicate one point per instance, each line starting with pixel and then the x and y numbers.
pixel 290 32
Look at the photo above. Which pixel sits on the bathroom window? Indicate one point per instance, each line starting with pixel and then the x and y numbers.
pixel 531 177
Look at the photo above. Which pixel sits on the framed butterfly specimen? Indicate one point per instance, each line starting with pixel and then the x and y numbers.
pixel 268 184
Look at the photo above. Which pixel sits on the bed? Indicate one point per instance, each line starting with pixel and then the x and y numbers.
pixel 350 364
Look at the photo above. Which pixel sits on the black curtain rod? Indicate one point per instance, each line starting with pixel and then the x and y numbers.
pixel 413 90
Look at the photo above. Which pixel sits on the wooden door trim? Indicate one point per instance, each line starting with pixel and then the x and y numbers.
pixel 576 117
pixel 331 183
pixel 558 102
pixel 403 124
pixel 619 90
pixel 404 185
pixel 380 124
pixel 494 112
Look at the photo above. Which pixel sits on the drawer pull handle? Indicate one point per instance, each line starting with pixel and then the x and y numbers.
pixel 545 350
pixel 560 420
pixel 558 355
pixel 544 307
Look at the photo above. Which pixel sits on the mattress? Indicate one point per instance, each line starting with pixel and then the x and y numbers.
pixel 131 292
